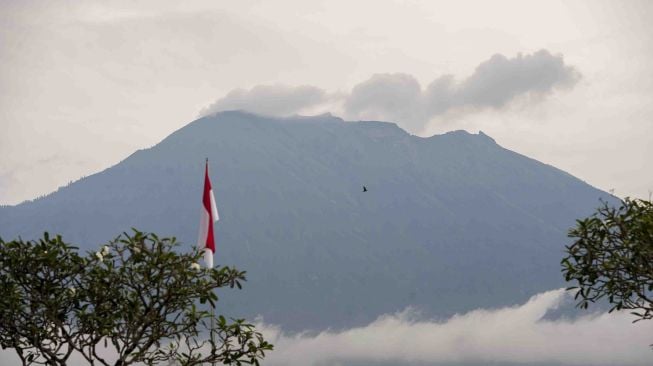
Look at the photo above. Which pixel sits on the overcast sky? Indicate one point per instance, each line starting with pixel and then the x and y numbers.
pixel 84 84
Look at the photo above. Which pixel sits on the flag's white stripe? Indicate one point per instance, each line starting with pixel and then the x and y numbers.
pixel 208 258
pixel 214 207
pixel 204 228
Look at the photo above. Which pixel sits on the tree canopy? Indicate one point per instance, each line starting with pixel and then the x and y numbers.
pixel 612 257
pixel 139 299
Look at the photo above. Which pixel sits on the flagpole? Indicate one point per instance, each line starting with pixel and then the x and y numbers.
pixel 206 240
pixel 212 303
pixel 212 327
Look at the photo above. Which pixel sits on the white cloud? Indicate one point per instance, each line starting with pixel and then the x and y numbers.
pixel 401 99
pixel 494 84
pixel 518 335
pixel 512 335
pixel 498 80
pixel 390 97
pixel 275 100
pixel 9 357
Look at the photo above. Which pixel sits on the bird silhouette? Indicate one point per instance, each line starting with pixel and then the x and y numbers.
pixel 364 189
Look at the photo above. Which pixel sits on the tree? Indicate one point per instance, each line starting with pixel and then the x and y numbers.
pixel 612 257
pixel 137 299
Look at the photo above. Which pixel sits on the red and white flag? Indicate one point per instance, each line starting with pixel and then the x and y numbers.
pixel 209 215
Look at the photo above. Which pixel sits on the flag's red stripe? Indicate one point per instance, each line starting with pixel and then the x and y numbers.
pixel 206 200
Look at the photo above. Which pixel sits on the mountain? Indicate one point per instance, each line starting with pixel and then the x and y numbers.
pixel 450 223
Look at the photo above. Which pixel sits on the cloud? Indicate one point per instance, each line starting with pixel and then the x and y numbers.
pixel 8 356
pixel 392 97
pixel 401 98
pixel 514 335
pixel 499 79
pixel 494 84
pixel 274 100
pixel 522 335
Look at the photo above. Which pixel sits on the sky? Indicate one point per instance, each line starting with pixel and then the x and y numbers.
pixel 86 83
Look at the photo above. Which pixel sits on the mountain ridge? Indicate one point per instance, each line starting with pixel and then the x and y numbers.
pixel 450 223
pixel 325 117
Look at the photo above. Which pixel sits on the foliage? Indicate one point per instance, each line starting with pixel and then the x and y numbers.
pixel 137 300
pixel 612 257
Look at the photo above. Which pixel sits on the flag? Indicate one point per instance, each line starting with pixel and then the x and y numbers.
pixel 209 215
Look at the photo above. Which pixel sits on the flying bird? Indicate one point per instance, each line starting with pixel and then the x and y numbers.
pixel 364 189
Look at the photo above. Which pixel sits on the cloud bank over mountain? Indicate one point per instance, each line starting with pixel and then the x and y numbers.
pixel 401 98
pixel 519 335
pixel 273 100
